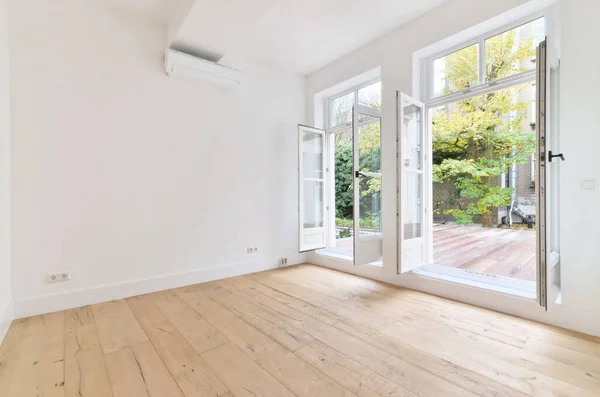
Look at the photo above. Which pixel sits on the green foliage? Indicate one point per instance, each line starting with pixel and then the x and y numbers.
pixel 370 161
pixel 478 139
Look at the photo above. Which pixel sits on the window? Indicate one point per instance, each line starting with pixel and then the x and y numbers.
pixel 341 213
pixel 490 59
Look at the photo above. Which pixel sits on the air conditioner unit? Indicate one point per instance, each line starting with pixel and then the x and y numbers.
pixel 180 63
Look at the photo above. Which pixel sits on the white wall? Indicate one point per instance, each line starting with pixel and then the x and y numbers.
pixel 5 290
pixel 120 173
pixel 580 215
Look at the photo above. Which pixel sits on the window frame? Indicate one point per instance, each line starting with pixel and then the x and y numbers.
pixel 483 87
pixel 329 105
pixel 330 159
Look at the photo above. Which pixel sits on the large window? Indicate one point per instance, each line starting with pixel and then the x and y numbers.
pixel 340 138
pixel 489 59
pixel 481 187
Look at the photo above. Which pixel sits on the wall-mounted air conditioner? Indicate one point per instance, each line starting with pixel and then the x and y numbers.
pixel 179 63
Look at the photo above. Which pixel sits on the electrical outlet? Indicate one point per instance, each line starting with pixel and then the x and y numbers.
pixel 283 262
pixel 252 250
pixel 58 277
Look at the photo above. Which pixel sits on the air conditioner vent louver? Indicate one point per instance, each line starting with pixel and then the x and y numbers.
pixel 180 63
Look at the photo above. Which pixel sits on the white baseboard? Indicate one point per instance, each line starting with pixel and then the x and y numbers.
pixel 104 293
pixel 6 320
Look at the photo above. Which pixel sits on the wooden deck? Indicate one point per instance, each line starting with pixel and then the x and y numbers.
pixel 501 252
pixel 303 331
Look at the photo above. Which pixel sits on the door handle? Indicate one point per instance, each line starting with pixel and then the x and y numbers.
pixel 358 174
pixel 552 156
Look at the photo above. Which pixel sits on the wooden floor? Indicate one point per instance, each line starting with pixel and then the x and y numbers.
pixel 500 252
pixel 301 331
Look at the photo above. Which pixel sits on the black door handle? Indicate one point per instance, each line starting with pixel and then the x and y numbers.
pixel 358 174
pixel 552 156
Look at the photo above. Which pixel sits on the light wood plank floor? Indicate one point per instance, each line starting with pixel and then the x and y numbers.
pixel 302 331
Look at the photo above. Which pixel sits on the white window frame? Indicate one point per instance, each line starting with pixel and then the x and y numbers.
pixel 330 132
pixel 425 80
pixel 427 73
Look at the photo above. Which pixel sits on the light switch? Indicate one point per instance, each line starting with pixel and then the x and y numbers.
pixel 588 185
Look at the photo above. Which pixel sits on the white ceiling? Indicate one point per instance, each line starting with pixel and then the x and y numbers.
pixel 299 35
pixel 305 35
pixel 156 11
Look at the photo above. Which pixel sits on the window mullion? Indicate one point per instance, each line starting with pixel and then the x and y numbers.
pixel 481 61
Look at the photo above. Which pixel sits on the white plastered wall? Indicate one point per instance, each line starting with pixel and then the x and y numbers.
pixel 134 181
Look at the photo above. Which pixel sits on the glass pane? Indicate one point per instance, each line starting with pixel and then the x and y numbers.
pixel 369 157
pixel 312 155
pixel 484 184
pixel 344 194
pixel 313 204
pixel 456 71
pixel 370 95
pixel 411 137
pixel 341 110
pixel 412 199
pixel 514 51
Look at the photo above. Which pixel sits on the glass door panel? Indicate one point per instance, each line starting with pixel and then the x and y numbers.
pixel 411 184
pixel 367 186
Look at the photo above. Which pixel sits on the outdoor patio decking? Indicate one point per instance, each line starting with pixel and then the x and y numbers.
pixel 500 252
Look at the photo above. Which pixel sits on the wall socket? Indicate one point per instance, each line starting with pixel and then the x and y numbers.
pixel 58 277
pixel 283 262
pixel 251 250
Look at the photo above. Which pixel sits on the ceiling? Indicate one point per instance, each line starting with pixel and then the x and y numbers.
pixel 155 11
pixel 305 35
pixel 299 35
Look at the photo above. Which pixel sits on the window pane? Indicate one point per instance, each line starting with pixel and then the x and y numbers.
pixel 313 204
pixel 370 95
pixel 412 204
pixel 513 52
pixel 411 137
pixel 341 110
pixel 456 71
pixel 369 158
pixel 312 155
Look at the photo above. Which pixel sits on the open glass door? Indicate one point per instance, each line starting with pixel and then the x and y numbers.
pixel 548 271
pixel 311 188
pixel 368 238
pixel 411 188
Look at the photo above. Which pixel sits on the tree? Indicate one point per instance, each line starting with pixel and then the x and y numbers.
pixel 478 139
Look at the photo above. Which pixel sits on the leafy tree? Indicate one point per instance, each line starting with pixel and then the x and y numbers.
pixel 476 140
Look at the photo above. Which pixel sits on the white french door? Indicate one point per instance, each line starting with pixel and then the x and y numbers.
pixel 411 183
pixel 548 262
pixel 368 237
pixel 311 188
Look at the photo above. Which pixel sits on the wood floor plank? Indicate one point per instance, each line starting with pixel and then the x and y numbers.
pixel 262 319
pixel 117 326
pixel 197 331
pixel 138 371
pixel 369 319
pixel 355 377
pixel 522 379
pixel 10 351
pixel 40 370
pixel 385 356
pixel 85 369
pixel 191 373
pixel 302 331
pixel 242 375
pixel 294 373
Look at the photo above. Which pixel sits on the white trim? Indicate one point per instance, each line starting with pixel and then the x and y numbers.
pixel 510 19
pixel 104 293
pixel 6 320
pixel 505 285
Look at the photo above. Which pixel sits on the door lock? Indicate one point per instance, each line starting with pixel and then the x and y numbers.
pixel 552 156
